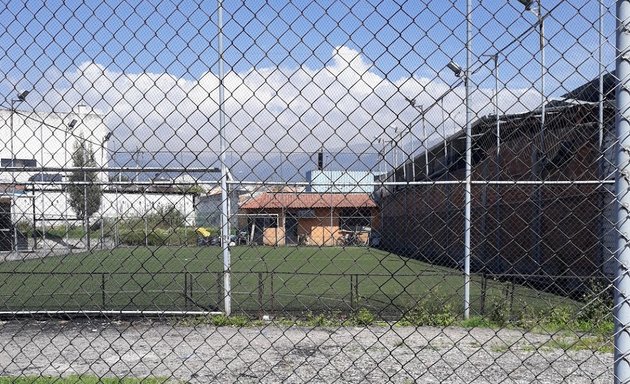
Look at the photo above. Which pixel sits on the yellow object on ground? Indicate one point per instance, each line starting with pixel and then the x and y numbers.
pixel 203 232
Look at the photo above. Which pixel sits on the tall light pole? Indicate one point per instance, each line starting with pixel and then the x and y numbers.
pixel 422 112
pixel 103 143
pixel 106 178
pixel 393 142
pixel 468 199
pixel 398 135
pixel 20 98
pixel 484 194
pixel 539 150
pixel 621 307
pixel 70 127
pixel 602 70
pixel 538 12
pixel 381 142
pixel 460 72
pixel 225 223
pixel 495 58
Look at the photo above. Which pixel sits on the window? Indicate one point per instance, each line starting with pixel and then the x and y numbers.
pixel 48 177
pixel 18 163
pixel 266 222
pixel 353 219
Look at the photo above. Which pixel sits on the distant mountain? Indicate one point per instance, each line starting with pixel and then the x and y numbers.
pixel 252 166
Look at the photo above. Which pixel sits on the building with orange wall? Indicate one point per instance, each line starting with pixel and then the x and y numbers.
pixel 319 219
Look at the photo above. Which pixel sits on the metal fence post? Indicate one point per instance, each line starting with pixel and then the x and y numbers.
pixel 622 190
pixel 103 289
pixel 261 288
pixel 225 223
pixel 468 197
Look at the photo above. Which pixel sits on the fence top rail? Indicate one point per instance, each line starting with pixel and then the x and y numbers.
pixel 497 276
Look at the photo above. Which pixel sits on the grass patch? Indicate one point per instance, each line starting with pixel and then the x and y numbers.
pixel 216 320
pixel 596 343
pixel 500 348
pixel 478 322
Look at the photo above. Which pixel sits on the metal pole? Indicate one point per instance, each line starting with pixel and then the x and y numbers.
pixel 15 239
pixel 497 165
pixel 601 73
pixel 622 190
pixel 424 144
pixel 225 224
pixel 538 156
pixel 11 133
pixel 41 138
pixel 444 135
pixel 539 200
pixel 332 236
pixel 118 213
pixel 541 20
pixel 65 190
pixel 186 221
pixel 496 100
pixel 468 192
pixel 86 221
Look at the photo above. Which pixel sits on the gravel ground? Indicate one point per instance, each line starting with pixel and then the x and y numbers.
pixel 274 353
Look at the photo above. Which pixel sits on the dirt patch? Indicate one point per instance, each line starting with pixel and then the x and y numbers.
pixel 292 354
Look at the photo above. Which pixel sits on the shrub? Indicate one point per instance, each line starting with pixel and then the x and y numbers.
pixel 596 315
pixel 499 312
pixel 434 311
pixel 167 216
pixel 363 317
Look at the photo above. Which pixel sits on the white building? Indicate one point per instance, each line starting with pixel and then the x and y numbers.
pixel 52 208
pixel 44 142
pixel 47 140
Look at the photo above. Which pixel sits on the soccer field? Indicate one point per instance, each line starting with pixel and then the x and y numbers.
pixel 273 280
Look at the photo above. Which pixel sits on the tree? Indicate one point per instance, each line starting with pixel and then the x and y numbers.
pixel 84 194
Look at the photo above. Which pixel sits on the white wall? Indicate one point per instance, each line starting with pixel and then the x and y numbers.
pixel 46 138
pixel 54 208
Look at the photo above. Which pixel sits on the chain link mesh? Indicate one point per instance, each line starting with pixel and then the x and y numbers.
pixel 326 191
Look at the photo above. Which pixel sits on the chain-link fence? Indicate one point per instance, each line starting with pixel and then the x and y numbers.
pixel 328 191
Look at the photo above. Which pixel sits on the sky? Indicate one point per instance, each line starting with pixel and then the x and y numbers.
pixel 299 76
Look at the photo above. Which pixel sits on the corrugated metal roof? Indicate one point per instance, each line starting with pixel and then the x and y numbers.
pixel 309 200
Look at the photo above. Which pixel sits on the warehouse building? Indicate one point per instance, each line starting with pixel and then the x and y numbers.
pixel 542 199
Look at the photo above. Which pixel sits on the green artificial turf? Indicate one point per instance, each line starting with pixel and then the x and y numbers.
pixel 304 279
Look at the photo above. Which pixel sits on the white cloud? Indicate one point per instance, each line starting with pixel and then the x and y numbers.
pixel 274 108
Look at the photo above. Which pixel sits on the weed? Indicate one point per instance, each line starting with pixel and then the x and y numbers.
pixel 477 322
pixel 596 343
pixel 500 348
pixel 216 320
pixel 363 317
pixel 432 311
pixel 499 313
pixel 322 320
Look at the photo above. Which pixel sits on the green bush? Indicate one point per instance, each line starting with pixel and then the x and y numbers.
pixel 596 315
pixel 434 311
pixel 322 319
pixel 159 237
pixel 363 317
pixel 499 312
pixel 165 217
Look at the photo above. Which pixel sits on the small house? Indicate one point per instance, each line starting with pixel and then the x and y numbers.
pixel 320 219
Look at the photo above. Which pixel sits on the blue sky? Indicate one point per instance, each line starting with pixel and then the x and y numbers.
pixel 399 38
pixel 402 46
